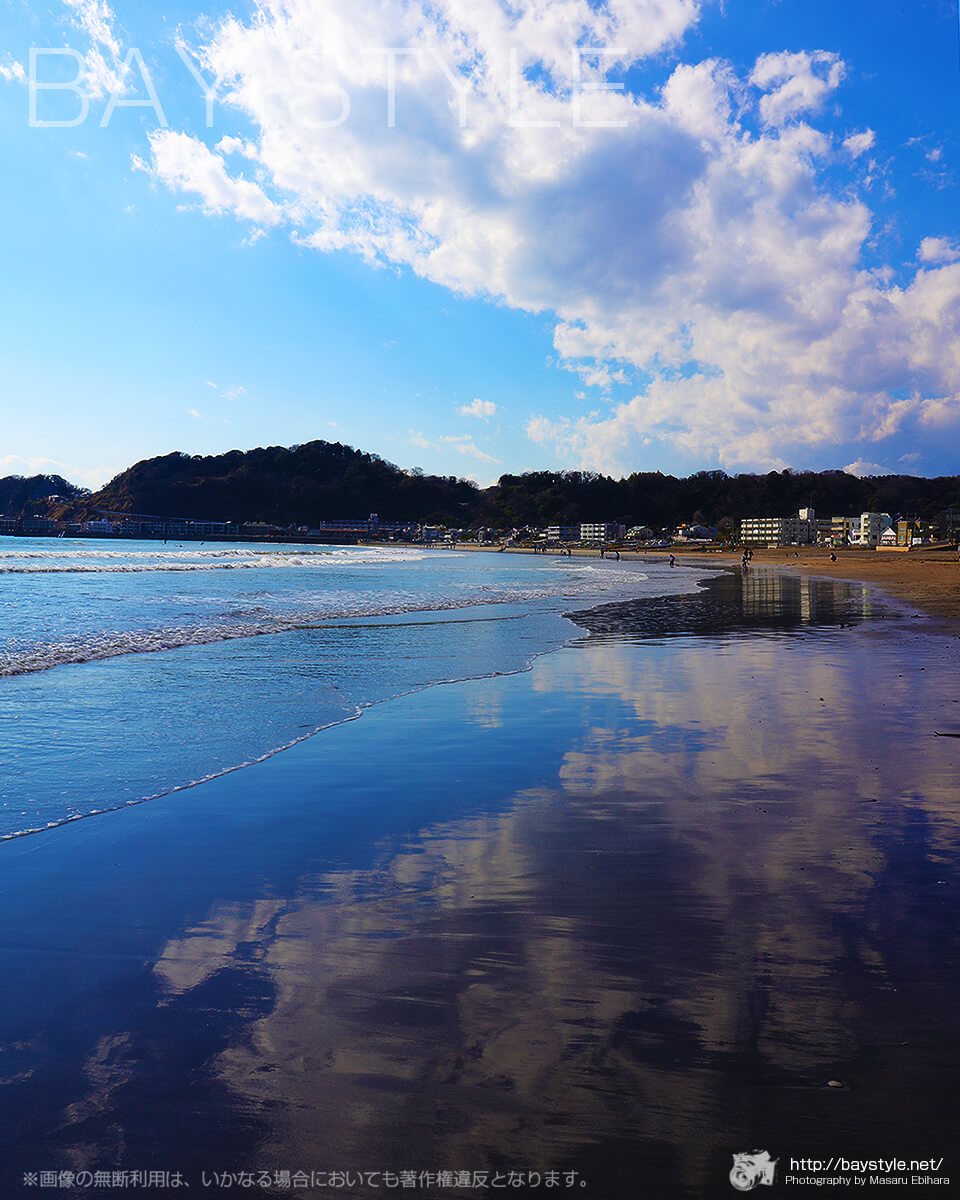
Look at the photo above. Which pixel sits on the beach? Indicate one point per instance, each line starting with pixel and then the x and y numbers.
pixel 927 579
pixel 681 887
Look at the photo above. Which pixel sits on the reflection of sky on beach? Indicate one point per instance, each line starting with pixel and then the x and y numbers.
pixel 706 891
pixel 629 913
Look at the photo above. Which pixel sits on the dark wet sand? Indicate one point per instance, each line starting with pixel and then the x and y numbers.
pixel 622 915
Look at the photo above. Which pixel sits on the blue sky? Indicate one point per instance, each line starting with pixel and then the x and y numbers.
pixel 756 262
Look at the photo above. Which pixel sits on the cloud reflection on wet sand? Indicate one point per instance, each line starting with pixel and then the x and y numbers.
pixel 733 891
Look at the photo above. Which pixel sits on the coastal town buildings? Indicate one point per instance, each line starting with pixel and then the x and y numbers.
pixel 600 532
pixel 800 530
pixel 844 531
pixel 562 533
pixel 872 527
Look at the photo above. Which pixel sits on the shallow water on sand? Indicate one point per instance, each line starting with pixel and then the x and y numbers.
pixel 623 915
pixel 131 669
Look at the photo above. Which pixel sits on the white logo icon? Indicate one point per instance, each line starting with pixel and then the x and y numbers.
pixel 750 1169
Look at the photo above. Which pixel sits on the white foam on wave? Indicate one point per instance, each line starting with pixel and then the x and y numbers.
pixel 23 659
pixel 119 562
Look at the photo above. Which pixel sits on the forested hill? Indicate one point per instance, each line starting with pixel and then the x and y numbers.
pixel 296 486
pixel 320 481
pixel 25 497
pixel 708 497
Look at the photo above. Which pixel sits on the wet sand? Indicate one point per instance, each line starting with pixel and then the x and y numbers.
pixel 927 579
pixel 622 915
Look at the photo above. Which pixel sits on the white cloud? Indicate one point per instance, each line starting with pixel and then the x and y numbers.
pixel 939 250
pixel 194 412
pixel 940 412
pixel 17 464
pixel 472 451
pixel 699 242
pixel 464 444
pixel 482 409
pixel 598 375
pixel 185 164
pixel 235 145
pixel 859 143
pixel 795 83
pixel 862 469
pixel 91 477
pixel 415 438
pixel 233 392
pixel 12 71
pixel 104 73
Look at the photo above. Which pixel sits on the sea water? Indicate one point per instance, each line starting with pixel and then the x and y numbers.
pixel 129 670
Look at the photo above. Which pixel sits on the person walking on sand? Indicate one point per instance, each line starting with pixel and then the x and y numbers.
pixel 673 560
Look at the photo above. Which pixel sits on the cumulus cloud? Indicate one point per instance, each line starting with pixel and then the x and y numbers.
pixel 939 250
pixel 864 469
pixel 483 409
pixel 695 238
pixel 859 143
pixel 795 83
pixel 186 164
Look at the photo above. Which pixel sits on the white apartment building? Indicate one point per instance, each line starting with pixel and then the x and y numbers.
pixel 872 527
pixel 780 531
pixel 600 531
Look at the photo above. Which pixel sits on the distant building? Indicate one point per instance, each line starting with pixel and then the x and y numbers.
pixel 696 533
pixel 779 531
pixel 845 531
pixel 600 531
pixel 888 537
pixel 640 533
pixel 872 527
pixel 911 532
pixel 562 533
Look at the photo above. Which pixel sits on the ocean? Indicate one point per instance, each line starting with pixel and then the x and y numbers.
pixel 131 670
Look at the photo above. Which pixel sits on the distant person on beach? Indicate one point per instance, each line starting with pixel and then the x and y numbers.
pixel 673 560
pixel 833 557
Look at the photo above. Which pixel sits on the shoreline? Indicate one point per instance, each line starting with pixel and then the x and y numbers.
pixel 929 580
